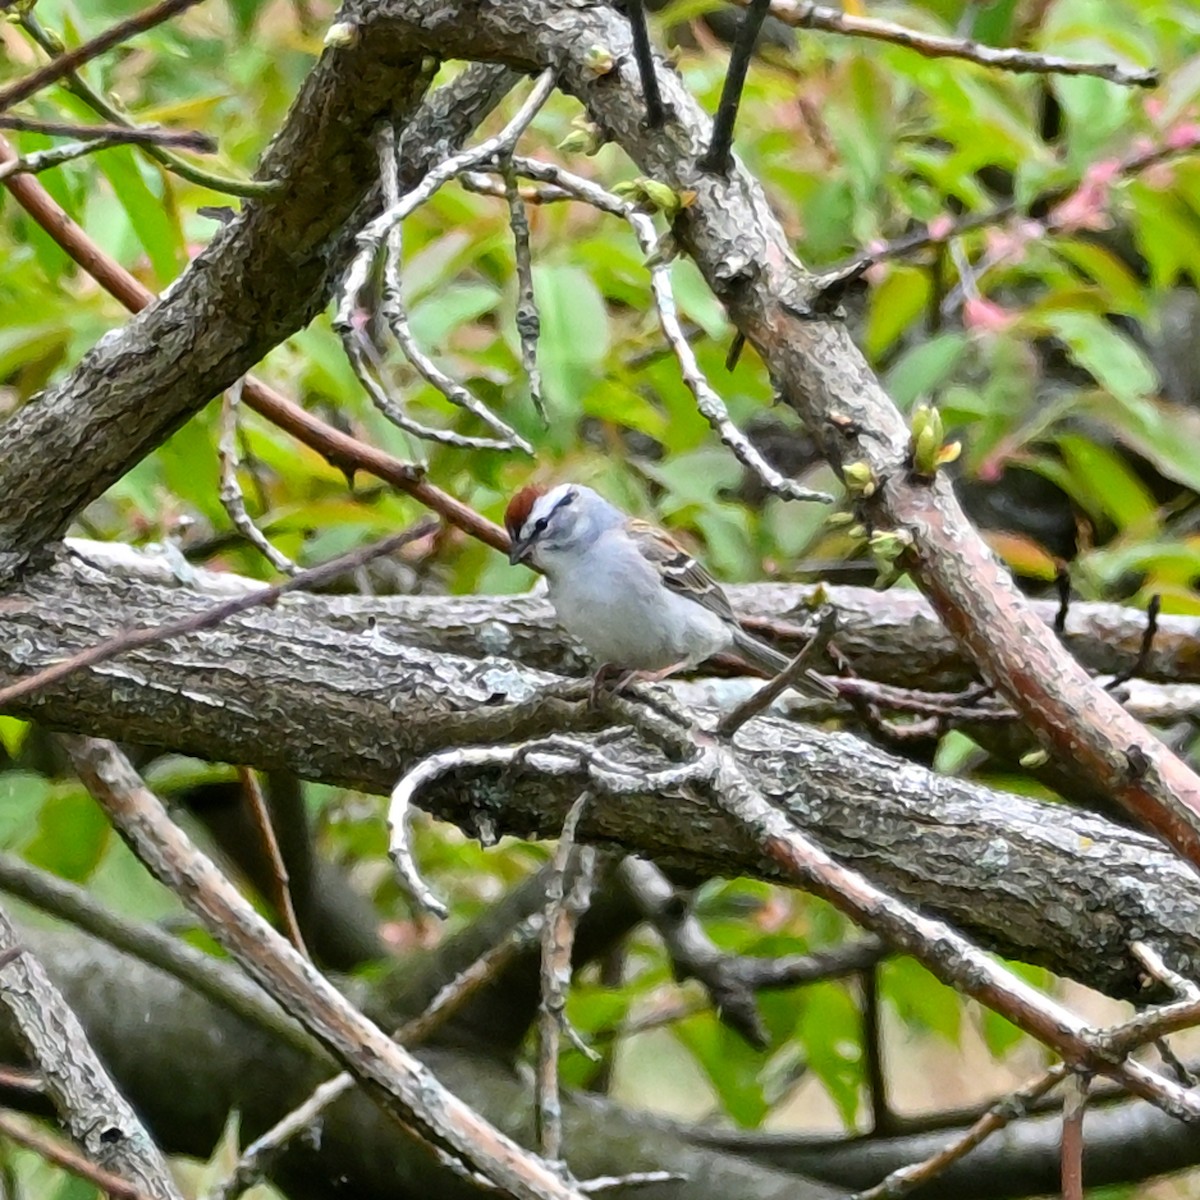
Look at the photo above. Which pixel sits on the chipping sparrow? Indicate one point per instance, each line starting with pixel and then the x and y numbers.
pixel 625 589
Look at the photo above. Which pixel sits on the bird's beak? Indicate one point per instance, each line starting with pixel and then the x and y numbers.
pixel 519 550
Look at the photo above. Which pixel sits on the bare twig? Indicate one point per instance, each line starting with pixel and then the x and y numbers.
pixel 340 449
pixel 55 1151
pixel 1072 1137
pixel 392 1075
pixel 70 60
pixel 803 14
pixel 1010 1108
pixel 766 695
pixel 153 135
pixel 74 82
pixel 713 766
pixel 204 974
pixel 1139 664
pixel 230 489
pixel 381 238
pixel 261 817
pixel 883 1120
pixel 644 56
pixel 131 639
pixel 1157 968
pixel 528 320
pixel 720 147
pixel 710 404
pixel 563 908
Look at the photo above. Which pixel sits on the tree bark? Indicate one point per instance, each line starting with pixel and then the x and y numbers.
pixel 293 687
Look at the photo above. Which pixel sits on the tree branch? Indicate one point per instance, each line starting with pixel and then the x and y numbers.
pixel 340 698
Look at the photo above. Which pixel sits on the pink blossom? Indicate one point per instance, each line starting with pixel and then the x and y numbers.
pixel 987 316
pixel 1184 136
pixel 941 227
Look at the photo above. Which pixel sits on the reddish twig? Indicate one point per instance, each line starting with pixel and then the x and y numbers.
pixel 154 135
pixel 261 816
pixel 71 60
pixel 906 1179
pixel 1072 1137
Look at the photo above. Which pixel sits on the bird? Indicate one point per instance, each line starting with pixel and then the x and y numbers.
pixel 635 598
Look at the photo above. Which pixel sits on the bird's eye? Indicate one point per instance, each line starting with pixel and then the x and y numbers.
pixel 539 526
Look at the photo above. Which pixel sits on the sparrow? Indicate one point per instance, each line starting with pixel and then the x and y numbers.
pixel 624 588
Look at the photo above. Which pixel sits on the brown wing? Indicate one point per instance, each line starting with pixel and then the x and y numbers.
pixel 680 571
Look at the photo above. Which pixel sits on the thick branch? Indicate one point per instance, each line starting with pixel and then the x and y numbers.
pixel 96 1114
pixel 894 637
pixel 349 703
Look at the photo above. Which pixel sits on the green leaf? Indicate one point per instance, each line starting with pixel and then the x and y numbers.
pixel 13 732
pixel 1103 482
pixel 435 318
pixel 830 1028
pixel 245 13
pixel 1165 434
pixel 895 304
pixel 923 368
pixel 151 220
pixel 731 1065
pixel 575 333
pixel 22 794
pixel 72 833
pixel 920 1001
pixel 1110 357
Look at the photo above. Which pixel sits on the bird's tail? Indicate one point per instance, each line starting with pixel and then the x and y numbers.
pixel 771 662
pixel 759 654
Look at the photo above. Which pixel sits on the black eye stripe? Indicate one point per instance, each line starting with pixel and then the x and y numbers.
pixel 539 526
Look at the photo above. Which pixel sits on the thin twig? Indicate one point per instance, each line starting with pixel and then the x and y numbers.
pixel 56 156
pixel 766 695
pixel 883 1120
pixel 720 148
pixel 131 639
pixel 644 57
pixel 244 188
pixel 230 490
pixel 1157 968
pixel 261 817
pixel 202 973
pixel 1072 1136
pixel 1139 664
pixel 558 936
pixel 709 403
pixel 155 135
pixel 802 14
pixel 71 60
pixel 1010 1108
pixel 528 320
pixel 64 1155
pixel 381 239
pixel 339 449
pixel 394 1077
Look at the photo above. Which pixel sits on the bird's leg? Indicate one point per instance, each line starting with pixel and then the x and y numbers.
pixel 605 672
